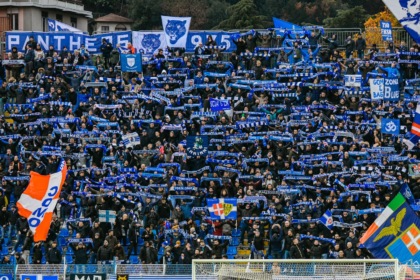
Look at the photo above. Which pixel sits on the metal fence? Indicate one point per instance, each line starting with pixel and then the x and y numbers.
pixel 65 270
pixel 140 271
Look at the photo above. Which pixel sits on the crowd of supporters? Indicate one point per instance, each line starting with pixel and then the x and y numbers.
pixel 295 143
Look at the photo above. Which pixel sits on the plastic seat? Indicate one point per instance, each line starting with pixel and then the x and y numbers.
pixel 231 257
pixel 134 260
pixel 236 232
pixel 235 241
pixel 64 232
pixel 4 250
pixel 69 259
pixel 232 250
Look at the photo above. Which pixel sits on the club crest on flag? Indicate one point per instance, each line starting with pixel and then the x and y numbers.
pixel 395 233
pixel 222 208
pixel 197 145
pixel 406 246
pixel 131 61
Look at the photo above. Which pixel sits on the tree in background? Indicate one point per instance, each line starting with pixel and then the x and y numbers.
pixel 353 17
pixel 373 29
pixel 245 15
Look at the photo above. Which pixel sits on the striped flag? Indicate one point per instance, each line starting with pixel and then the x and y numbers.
pixel 395 234
pixel 38 201
pixel 415 130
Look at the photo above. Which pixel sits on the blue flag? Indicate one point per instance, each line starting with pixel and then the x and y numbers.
pixel 222 208
pixel 386 30
pixel 406 192
pixel 391 89
pixel 395 233
pixel 131 62
pixel 390 126
pixel 197 146
pixel 217 105
pixel 279 23
pixel 327 219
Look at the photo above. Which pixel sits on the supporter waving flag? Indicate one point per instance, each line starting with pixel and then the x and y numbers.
pixel 222 208
pixel 38 201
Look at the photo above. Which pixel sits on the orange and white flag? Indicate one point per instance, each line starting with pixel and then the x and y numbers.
pixel 38 201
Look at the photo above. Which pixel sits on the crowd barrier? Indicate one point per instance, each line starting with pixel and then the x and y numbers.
pixel 116 272
pixel 94 272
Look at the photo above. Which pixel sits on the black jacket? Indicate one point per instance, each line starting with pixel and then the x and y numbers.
pixel 53 256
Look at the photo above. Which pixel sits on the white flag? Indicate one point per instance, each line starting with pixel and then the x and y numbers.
pixel 176 31
pixel 55 25
pixel 148 43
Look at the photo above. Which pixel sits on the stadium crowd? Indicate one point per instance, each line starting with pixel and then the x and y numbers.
pixel 294 143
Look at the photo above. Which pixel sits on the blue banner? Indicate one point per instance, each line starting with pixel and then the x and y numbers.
pixel 222 38
pixel 72 41
pixel 390 126
pixel 197 146
pixel 6 277
pixel 131 62
pixel 391 89
pixel 386 30
pixel 217 105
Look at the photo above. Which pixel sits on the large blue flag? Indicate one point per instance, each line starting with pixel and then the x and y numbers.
pixel 395 233
pixel 279 23
pixel 406 192
pixel 408 14
pixel 131 62
pixel 222 208
pixel 390 126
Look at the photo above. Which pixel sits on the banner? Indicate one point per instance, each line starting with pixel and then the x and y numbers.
pixel 395 233
pixel 88 276
pixel 131 62
pixel 107 216
pixel 377 89
pixel 217 105
pixel 222 208
pixel 148 43
pixel 55 25
pixel 131 139
pixel 390 126
pixel 72 41
pixel 391 89
pixel 386 30
pixel 38 277
pixel 353 80
pixel 38 201
pixel 407 12
pixel 197 146
pixel 6 277
pixel 222 39
pixel 176 31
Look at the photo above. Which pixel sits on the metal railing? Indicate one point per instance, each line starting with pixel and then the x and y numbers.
pixel 163 271
pixel 64 270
